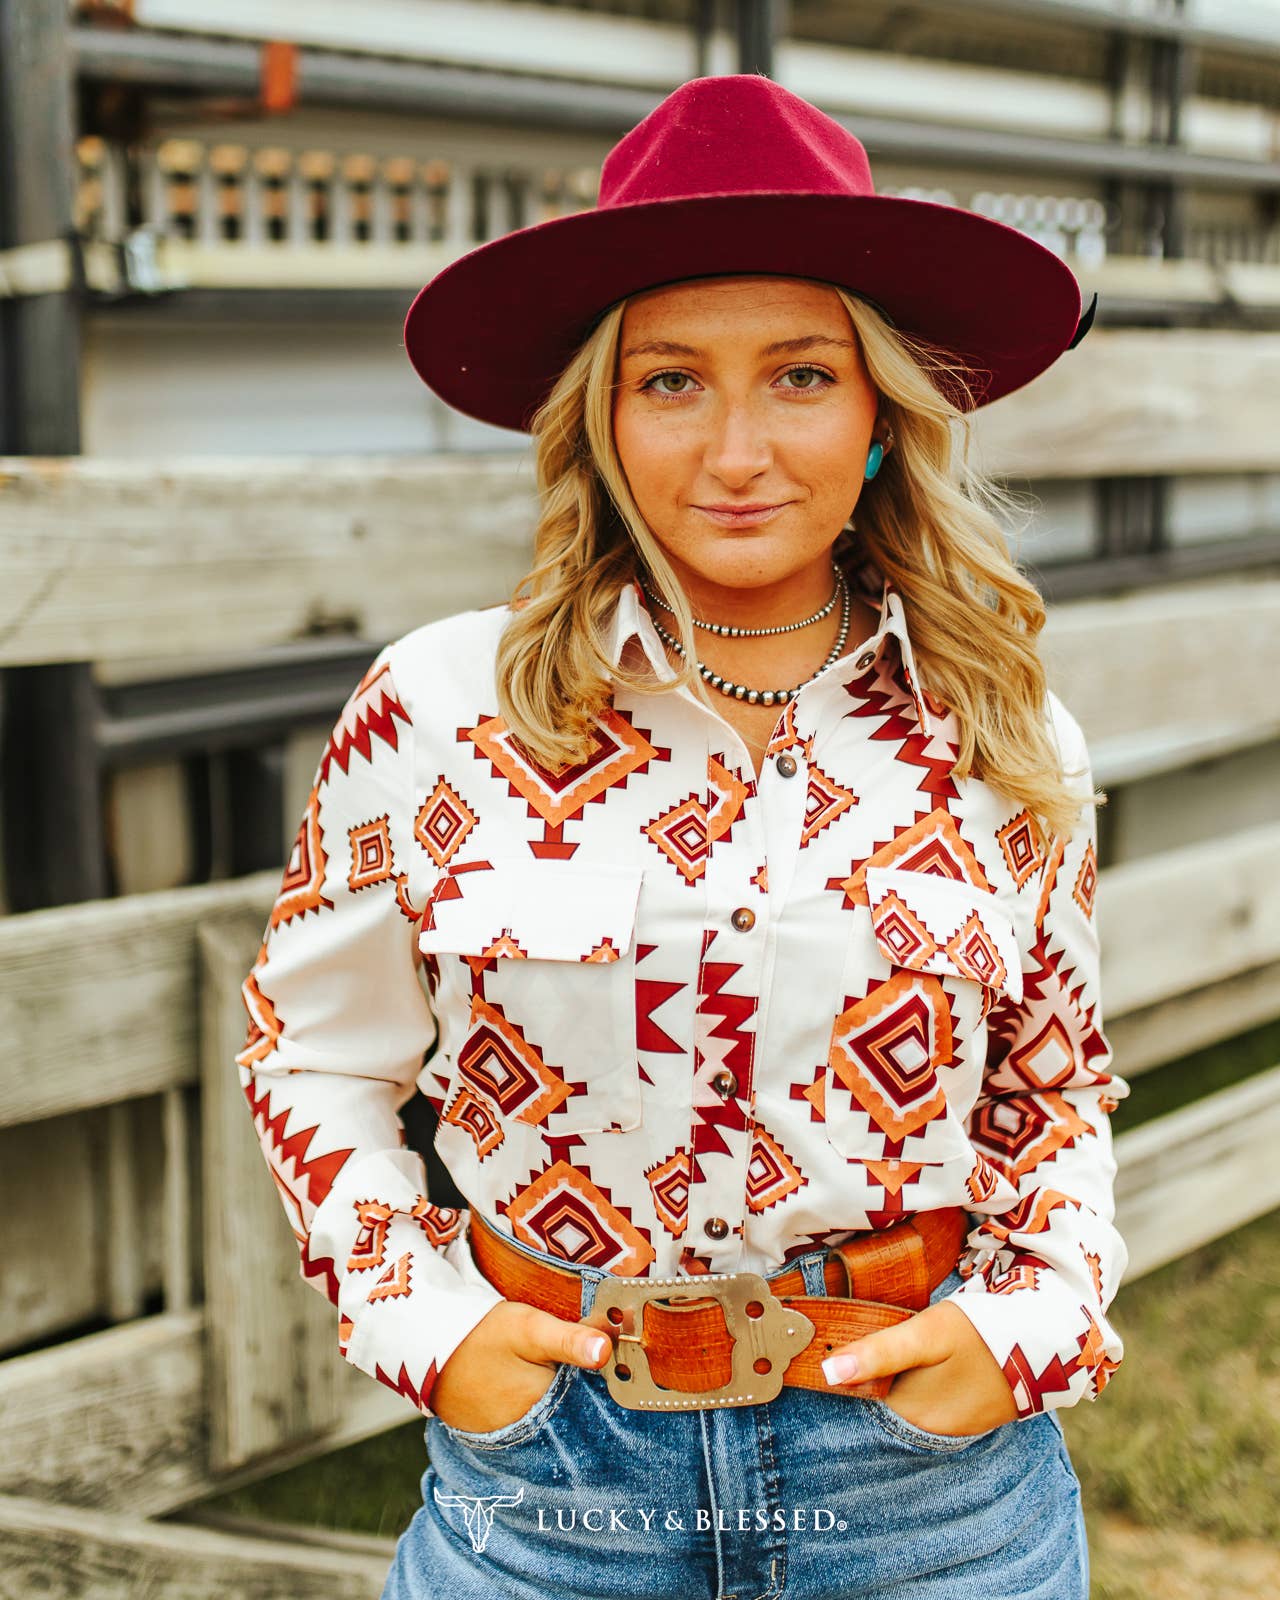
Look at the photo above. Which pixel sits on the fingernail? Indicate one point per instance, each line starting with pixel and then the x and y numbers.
pixel 597 1349
pixel 839 1369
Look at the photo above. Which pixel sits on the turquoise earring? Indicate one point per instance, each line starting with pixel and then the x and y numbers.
pixel 876 455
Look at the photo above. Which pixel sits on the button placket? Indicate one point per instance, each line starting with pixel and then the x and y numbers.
pixel 736 907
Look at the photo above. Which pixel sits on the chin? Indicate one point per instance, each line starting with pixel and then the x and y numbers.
pixel 729 578
pixel 745 568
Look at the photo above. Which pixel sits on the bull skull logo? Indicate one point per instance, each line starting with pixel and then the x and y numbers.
pixel 477 1512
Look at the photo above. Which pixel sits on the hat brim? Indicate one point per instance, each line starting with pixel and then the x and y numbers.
pixel 493 330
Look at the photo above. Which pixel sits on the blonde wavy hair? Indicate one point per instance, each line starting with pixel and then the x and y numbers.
pixel 929 520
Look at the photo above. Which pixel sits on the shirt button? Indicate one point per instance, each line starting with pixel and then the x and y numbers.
pixel 786 765
pixel 743 918
pixel 716 1228
pixel 724 1083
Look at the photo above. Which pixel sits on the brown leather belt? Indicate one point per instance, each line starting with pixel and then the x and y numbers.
pixel 725 1339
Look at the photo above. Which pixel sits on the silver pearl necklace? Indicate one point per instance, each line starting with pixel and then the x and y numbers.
pixel 728 631
pixel 769 697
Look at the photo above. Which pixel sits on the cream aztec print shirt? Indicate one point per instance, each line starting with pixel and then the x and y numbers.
pixel 686 1019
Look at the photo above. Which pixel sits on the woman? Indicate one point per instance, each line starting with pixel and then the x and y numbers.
pixel 750 866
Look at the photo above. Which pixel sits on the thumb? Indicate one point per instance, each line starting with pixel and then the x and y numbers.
pixel 551 1338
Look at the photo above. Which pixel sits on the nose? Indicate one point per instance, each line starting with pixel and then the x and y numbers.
pixel 738 447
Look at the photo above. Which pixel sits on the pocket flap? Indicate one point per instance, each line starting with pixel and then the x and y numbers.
pixel 944 926
pixel 545 910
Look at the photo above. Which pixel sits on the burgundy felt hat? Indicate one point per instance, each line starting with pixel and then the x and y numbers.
pixel 735 174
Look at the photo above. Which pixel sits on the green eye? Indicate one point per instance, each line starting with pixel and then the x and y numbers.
pixel 823 380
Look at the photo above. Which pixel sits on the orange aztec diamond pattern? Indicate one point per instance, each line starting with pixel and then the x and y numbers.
pixel 886 1049
pixel 371 857
pixel 619 750
pixel 443 822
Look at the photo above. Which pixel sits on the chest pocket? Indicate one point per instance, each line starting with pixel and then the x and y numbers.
pixel 951 949
pixel 550 957
pixel 941 925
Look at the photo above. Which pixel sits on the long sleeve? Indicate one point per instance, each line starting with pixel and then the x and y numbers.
pixel 339 1023
pixel 1041 1276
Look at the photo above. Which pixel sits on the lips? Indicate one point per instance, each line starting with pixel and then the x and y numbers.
pixel 746 518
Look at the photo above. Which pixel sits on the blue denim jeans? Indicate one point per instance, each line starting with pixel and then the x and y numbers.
pixel 808 1495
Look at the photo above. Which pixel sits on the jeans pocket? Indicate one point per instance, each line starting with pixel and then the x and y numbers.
pixel 910 1434
pixel 524 1426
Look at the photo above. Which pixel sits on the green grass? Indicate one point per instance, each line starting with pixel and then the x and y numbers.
pixel 1187 1433
pixel 372 1487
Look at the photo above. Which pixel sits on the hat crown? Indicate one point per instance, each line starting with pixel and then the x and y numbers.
pixel 739 133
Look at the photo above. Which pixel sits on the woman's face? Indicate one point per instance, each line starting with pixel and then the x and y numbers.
pixel 743 391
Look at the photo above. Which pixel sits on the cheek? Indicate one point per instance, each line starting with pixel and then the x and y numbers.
pixel 831 454
pixel 651 453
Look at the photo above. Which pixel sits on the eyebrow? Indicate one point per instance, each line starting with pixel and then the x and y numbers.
pixel 806 341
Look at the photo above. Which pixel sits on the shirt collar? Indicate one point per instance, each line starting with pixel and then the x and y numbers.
pixel 631 621
pixel 869 581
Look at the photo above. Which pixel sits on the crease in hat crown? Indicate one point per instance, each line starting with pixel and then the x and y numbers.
pixel 711 132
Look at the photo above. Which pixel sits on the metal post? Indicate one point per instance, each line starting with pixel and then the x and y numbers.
pixel 39 334
pixel 52 834
pixel 760 24
pixel 1173 71
pixel 704 24
pixel 1133 513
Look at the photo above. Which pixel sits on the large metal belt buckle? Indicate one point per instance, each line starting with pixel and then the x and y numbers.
pixel 766 1335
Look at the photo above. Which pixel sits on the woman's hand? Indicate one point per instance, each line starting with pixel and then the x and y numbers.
pixel 947 1379
pixel 506 1364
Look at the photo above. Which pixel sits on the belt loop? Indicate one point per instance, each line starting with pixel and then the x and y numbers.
pixel 592 1278
pixel 898 1259
pixel 815 1278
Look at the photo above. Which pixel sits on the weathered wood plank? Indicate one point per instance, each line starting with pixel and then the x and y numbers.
pixel 222 556
pixel 150 835
pixel 272 1339
pixel 96 1000
pixel 122 1267
pixel 178 1179
pixel 227 555
pixel 1197 1173
pixel 1143 400
pixel 1182 919
pixel 59 1551
pixel 1181 1023
pixel 143 1385
pixel 1148 667
pixel 289 1532
pixel 61 1280
pixel 1164 750
pixel 52 1276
